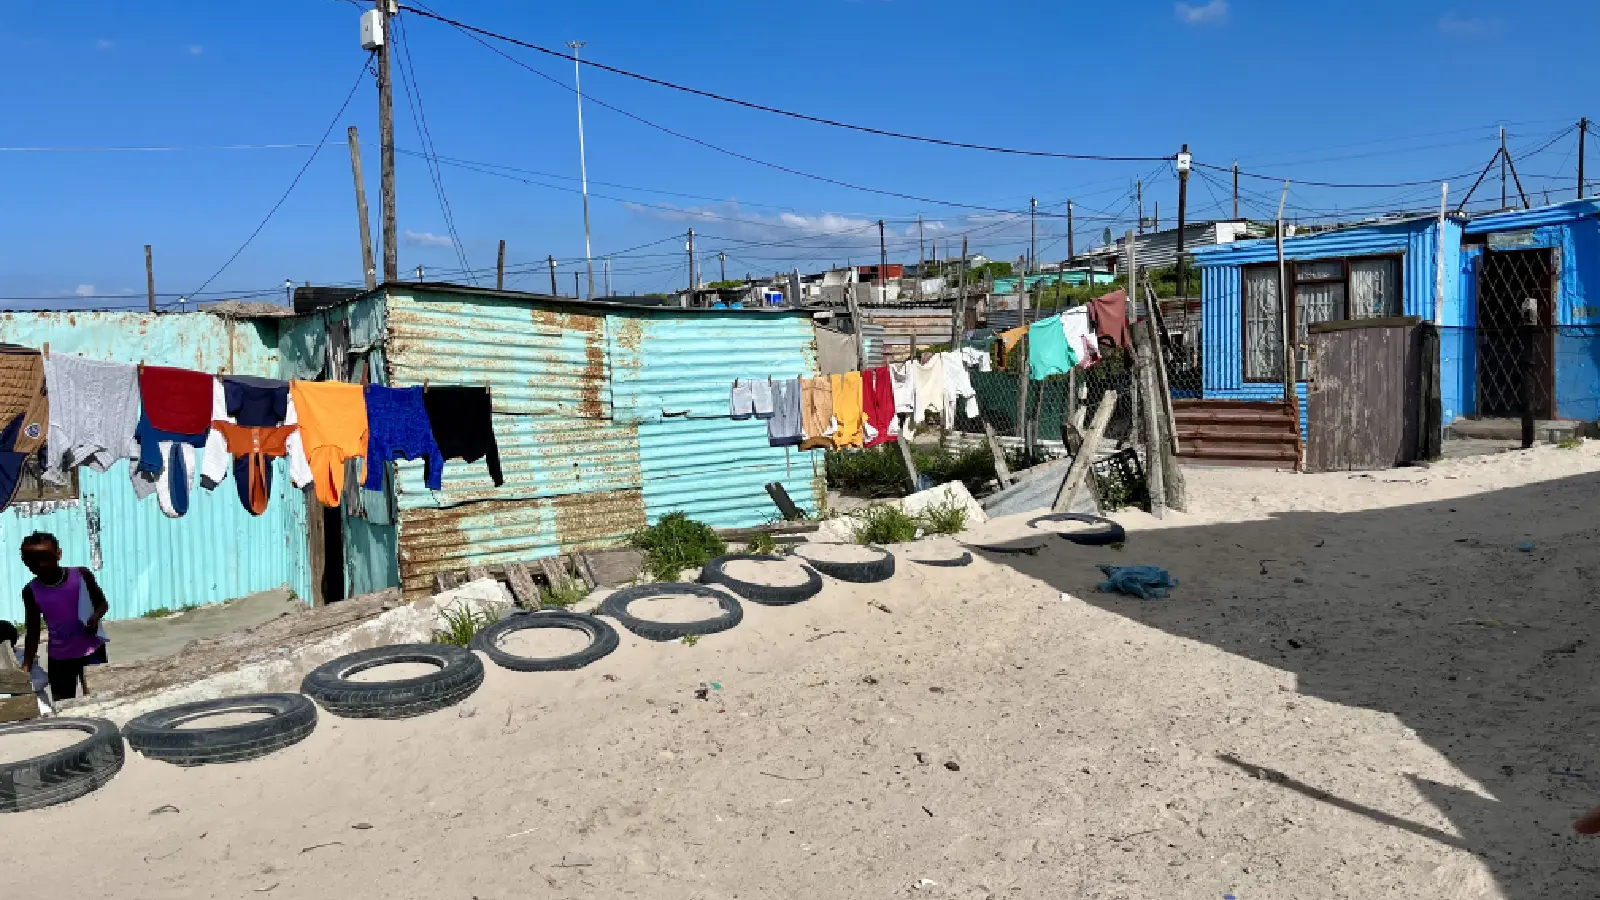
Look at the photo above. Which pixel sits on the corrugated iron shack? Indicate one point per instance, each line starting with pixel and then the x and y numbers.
pixel 144 559
pixel 608 416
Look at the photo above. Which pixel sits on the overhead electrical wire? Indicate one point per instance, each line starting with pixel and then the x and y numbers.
pixel 419 118
pixel 322 142
pixel 818 120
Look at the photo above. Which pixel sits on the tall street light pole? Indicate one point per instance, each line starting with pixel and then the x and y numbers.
pixel 583 165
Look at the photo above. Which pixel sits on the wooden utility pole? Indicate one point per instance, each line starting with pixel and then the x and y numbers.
pixel 1183 203
pixel 692 282
pixel 553 291
pixel 1144 381
pixel 1133 319
pixel 1583 131
pixel 1502 167
pixel 1023 432
pixel 722 261
pixel 1071 254
pixel 391 247
pixel 1286 313
pixel 1236 189
pixel 883 264
pixel 922 256
pixel 1138 199
pixel 575 289
pixel 150 277
pixel 607 264
pixel 1155 217
pixel 958 311
pixel 499 266
pixel 1033 234
pixel 856 324
pixel 368 269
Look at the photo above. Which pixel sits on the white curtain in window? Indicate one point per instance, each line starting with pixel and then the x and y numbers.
pixel 1318 303
pixel 1263 326
pixel 1374 288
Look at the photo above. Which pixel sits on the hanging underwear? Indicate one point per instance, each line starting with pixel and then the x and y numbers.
pixel 253 450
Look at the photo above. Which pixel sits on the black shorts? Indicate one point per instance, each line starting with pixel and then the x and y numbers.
pixel 64 673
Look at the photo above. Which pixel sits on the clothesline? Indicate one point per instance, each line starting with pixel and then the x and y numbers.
pixel 74 411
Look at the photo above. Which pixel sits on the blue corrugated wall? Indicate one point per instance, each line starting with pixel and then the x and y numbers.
pixel 145 560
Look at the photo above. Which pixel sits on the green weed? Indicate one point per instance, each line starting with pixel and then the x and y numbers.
pixel 762 543
pixel 948 517
pixel 160 612
pixel 1570 443
pixel 881 523
pixel 689 640
pixel 462 623
pixel 563 597
pixel 675 543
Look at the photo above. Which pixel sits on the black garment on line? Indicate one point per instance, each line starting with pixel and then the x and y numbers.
pixel 462 425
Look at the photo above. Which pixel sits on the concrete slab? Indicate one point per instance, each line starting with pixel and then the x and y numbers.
pixel 136 639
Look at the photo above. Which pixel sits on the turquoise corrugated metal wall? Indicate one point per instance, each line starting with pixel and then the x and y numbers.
pixel 216 552
pixel 672 372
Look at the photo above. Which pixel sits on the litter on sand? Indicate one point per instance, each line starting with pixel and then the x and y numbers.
pixel 1144 582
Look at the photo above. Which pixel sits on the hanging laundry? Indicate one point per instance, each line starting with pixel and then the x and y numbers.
pixel 847 409
pixel 253 403
pixel 1008 341
pixel 816 413
pixel 463 425
pixel 877 401
pixel 928 381
pixel 399 429
pixel 256 447
pixel 972 356
pixel 783 429
pixel 177 401
pixel 11 460
pixel 750 397
pixel 1109 314
pixel 905 393
pixel 333 425
pixel 1048 353
pixel 94 409
pixel 1080 335
pixel 171 484
pixel 22 394
pixel 957 387
pixel 836 352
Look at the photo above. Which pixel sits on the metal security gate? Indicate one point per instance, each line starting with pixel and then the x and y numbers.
pixel 1512 284
pixel 1363 399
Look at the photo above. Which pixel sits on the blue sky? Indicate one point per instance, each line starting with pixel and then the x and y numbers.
pixel 1350 92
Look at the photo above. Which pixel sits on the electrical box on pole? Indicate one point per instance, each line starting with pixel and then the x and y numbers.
pixel 371 29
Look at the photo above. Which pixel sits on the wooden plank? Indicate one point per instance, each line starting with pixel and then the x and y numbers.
pixel 14 681
pixel 1002 472
pixel 444 581
pixel 786 528
pixel 1357 324
pixel 555 572
pixel 911 463
pixel 476 572
pixel 580 564
pixel 523 588
pixel 785 505
pixel 1145 383
pixel 19 709
pixel 1085 458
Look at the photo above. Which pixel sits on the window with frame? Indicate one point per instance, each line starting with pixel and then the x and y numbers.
pixel 31 486
pixel 1325 290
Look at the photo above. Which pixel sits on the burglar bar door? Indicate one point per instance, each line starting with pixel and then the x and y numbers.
pixel 1506 280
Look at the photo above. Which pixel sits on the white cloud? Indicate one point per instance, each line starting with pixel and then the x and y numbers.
pixel 1215 11
pixel 196 49
pixel 1452 24
pixel 428 239
pixel 103 44
pixel 84 290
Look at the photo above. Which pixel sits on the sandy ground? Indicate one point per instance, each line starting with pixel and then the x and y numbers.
pixel 1366 686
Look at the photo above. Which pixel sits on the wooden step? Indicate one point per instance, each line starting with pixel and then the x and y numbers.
pixel 1235 415
pixel 1259 405
pixel 1240 454
pixel 1240 435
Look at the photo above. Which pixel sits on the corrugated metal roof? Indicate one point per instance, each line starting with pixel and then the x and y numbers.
pixel 1555 214
pixel 716 470
pixel 538 360
pixel 543 456
pixel 1388 237
pixel 668 364
pixel 502 531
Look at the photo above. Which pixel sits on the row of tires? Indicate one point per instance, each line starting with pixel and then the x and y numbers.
pixel 282 720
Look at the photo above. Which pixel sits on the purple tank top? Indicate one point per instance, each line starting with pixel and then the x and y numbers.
pixel 65 608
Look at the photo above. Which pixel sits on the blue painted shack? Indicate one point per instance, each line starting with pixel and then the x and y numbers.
pixel 1372 271
pixel 145 560
pixel 608 416
pixel 1550 256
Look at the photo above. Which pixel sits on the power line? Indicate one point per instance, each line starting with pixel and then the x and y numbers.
pixel 298 175
pixel 866 129
pixel 167 149
pixel 419 118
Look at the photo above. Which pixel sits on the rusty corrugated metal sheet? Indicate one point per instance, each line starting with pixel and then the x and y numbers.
pixel 500 531
pixel 539 358
pixel 540 456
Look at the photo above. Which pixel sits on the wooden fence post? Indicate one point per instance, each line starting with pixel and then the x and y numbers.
pixel 1084 460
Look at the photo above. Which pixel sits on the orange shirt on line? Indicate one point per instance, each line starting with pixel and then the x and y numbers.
pixel 847 410
pixel 333 428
